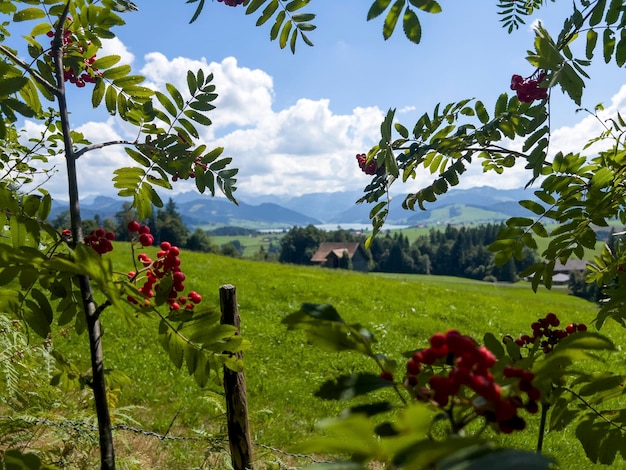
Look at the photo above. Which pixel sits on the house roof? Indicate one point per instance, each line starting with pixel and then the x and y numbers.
pixel 571 265
pixel 337 248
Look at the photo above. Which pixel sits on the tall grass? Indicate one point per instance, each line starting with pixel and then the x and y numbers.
pixel 282 371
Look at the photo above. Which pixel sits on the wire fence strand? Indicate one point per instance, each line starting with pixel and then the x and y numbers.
pixel 82 426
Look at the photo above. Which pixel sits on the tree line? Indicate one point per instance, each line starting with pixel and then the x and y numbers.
pixel 455 251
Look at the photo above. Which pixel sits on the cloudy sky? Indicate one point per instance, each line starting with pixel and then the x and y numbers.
pixel 294 123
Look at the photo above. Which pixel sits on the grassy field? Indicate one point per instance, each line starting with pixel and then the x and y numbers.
pixel 282 371
pixel 252 243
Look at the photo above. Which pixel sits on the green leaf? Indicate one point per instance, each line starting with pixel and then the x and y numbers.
pixel 198 117
pixel 28 14
pixel 323 312
pixel 192 83
pixel 98 93
pixel 377 8
pixel 609 44
pixel 174 93
pixel 479 458
pixel 110 100
pixel 253 6
pixel 353 435
pixel 392 18
pixel 349 386
pixel 612 14
pixel 532 206
pixel 494 345
pixel 45 207
pixel 620 49
pixel 571 83
pixel 106 62
pixel 294 5
pixel 592 40
pixel 481 112
pixel 268 11
pixel 166 103
pixel 116 72
pixel 430 6
pixel 11 85
pixel 412 27
pixel 597 13
pixel 284 34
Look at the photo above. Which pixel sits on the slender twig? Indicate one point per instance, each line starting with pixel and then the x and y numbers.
pixel 91 147
pixel 45 83
pixel 542 426
pixel 596 412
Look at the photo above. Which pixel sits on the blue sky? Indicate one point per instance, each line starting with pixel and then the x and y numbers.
pixel 293 123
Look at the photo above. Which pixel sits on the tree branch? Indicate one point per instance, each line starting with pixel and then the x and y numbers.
pixel 46 84
pixel 89 148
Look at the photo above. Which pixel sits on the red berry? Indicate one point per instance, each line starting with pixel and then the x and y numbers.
pixel 533 394
pixel 386 375
pixel 413 368
pixel 146 239
pixel 133 226
pixel 532 407
pixel 144 229
pixel 437 340
pixel 165 246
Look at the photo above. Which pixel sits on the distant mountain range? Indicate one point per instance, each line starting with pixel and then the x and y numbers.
pixel 461 206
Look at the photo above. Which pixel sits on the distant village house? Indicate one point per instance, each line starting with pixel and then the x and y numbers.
pixel 562 271
pixel 330 255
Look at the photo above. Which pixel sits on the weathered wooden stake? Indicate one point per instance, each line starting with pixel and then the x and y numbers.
pixel 235 388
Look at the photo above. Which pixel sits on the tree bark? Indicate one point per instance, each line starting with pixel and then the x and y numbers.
pixel 235 388
pixel 107 454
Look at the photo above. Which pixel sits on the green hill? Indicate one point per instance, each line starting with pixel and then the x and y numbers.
pixel 282 371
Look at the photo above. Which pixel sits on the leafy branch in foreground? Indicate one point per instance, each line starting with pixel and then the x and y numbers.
pixel 410 21
pixel 454 388
pixel 288 25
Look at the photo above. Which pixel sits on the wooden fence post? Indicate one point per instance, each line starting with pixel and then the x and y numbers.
pixel 235 388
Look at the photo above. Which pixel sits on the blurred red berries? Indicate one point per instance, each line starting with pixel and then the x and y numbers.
pixel 548 336
pixel 528 89
pixel 370 168
pixel 100 240
pixel 468 365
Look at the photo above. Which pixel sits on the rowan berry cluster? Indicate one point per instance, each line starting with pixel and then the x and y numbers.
pixel 544 332
pixel 528 89
pixel 198 166
pixel 145 237
pixel 69 74
pixel 232 3
pixel 100 240
pixel 368 168
pixel 469 366
pixel 166 263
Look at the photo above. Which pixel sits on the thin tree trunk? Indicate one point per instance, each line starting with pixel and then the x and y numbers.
pixel 107 454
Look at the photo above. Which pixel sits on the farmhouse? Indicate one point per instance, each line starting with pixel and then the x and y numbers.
pixel 330 255
pixel 562 271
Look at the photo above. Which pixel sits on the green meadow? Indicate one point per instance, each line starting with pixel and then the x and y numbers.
pixel 282 370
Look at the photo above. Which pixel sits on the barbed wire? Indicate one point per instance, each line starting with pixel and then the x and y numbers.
pixel 82 426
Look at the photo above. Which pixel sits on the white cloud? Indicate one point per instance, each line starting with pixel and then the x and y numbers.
pixel 244 95
pixel 305 147
pixel 114 46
